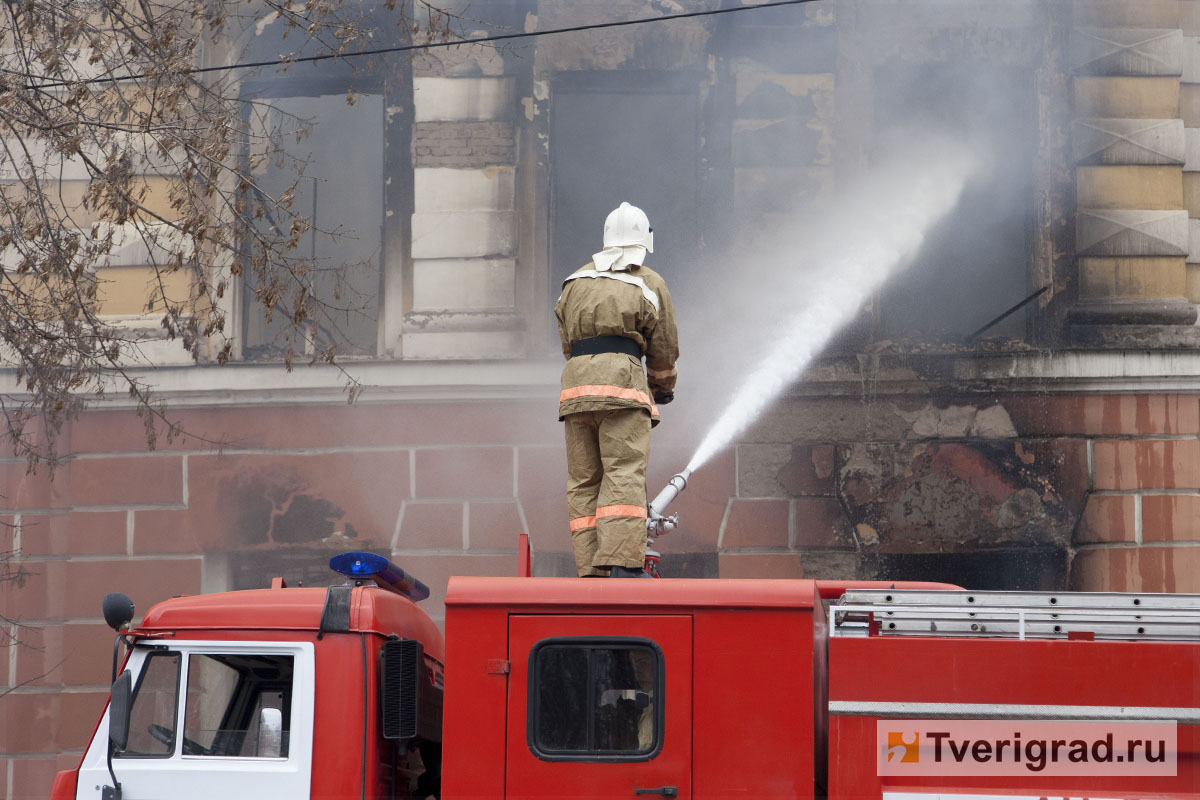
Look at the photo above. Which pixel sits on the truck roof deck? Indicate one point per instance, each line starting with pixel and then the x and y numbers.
pixel 631 595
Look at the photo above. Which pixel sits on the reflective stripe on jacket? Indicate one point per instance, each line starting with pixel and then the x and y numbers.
pixel 634 304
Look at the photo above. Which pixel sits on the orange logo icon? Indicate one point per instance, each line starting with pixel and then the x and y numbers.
pixel 909 752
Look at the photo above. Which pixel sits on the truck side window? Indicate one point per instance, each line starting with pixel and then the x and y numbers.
pixel 152 715
pixel 238 705
pixel 595 699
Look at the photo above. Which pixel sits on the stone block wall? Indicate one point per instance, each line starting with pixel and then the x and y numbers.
pixel 1132 239
pixel 1189 111
pixel 461 300
pixel 463 144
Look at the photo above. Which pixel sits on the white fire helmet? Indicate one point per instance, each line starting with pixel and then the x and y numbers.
pixel 628 226
pixel 627 238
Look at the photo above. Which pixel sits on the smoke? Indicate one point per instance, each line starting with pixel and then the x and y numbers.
pixel 935 235
pixel 815 280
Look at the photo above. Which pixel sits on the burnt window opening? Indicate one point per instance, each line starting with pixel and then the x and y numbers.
pixel 974 264
pixel 595 699
pixel 337 171
pixel 255 569
pixel 633 137
pixel 1018 569
pixel 320 129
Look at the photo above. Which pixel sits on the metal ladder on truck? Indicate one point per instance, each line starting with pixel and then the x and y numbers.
pixel 1019 615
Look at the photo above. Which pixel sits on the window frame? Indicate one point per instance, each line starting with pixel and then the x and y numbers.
pixel 589 643
pixel 246 696
pixel 176 734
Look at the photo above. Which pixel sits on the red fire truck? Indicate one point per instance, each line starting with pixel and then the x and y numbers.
pixel 568 688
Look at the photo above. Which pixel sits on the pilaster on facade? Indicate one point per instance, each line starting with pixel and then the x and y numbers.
pixel 1189 109
pixel 1130 151
pixel 460 298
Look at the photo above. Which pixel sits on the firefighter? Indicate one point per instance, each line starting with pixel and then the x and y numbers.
pixel 612 312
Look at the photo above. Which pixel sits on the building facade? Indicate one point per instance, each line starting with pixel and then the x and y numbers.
pixel 1058 448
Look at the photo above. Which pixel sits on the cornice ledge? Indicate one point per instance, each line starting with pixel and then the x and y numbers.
pixel 1045 371
pixel 247 384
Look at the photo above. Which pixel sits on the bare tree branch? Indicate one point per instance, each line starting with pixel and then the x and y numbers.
pixel 164 170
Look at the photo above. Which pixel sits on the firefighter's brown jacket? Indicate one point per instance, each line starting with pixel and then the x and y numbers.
pixel 634 304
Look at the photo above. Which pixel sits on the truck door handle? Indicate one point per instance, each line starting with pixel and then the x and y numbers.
pixel 665 791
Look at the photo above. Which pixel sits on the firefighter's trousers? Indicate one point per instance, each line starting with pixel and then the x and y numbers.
pixel 606 487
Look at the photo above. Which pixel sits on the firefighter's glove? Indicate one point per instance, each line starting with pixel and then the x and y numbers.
pixel 662 398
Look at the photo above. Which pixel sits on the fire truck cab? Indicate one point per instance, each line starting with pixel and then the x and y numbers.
pixel 281 692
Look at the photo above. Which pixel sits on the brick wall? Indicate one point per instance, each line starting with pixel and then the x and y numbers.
pixel 1135 532
pixel 821 487
pixel 463 145
pixel 444 488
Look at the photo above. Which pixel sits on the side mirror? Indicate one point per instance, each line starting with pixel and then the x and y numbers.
pixel 270 733
pixel 118 710
pixel 117 609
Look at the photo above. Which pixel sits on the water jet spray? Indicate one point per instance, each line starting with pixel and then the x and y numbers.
pixel 870 235
pixel 896 205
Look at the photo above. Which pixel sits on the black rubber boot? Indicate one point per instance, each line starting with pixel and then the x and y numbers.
pixel 626 572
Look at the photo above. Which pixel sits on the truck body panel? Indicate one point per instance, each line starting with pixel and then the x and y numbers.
pixel 664 725
pixel 476 702
pixel 754 659
pixel 931 678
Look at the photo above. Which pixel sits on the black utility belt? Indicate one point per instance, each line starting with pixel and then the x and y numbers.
pixel 606 344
